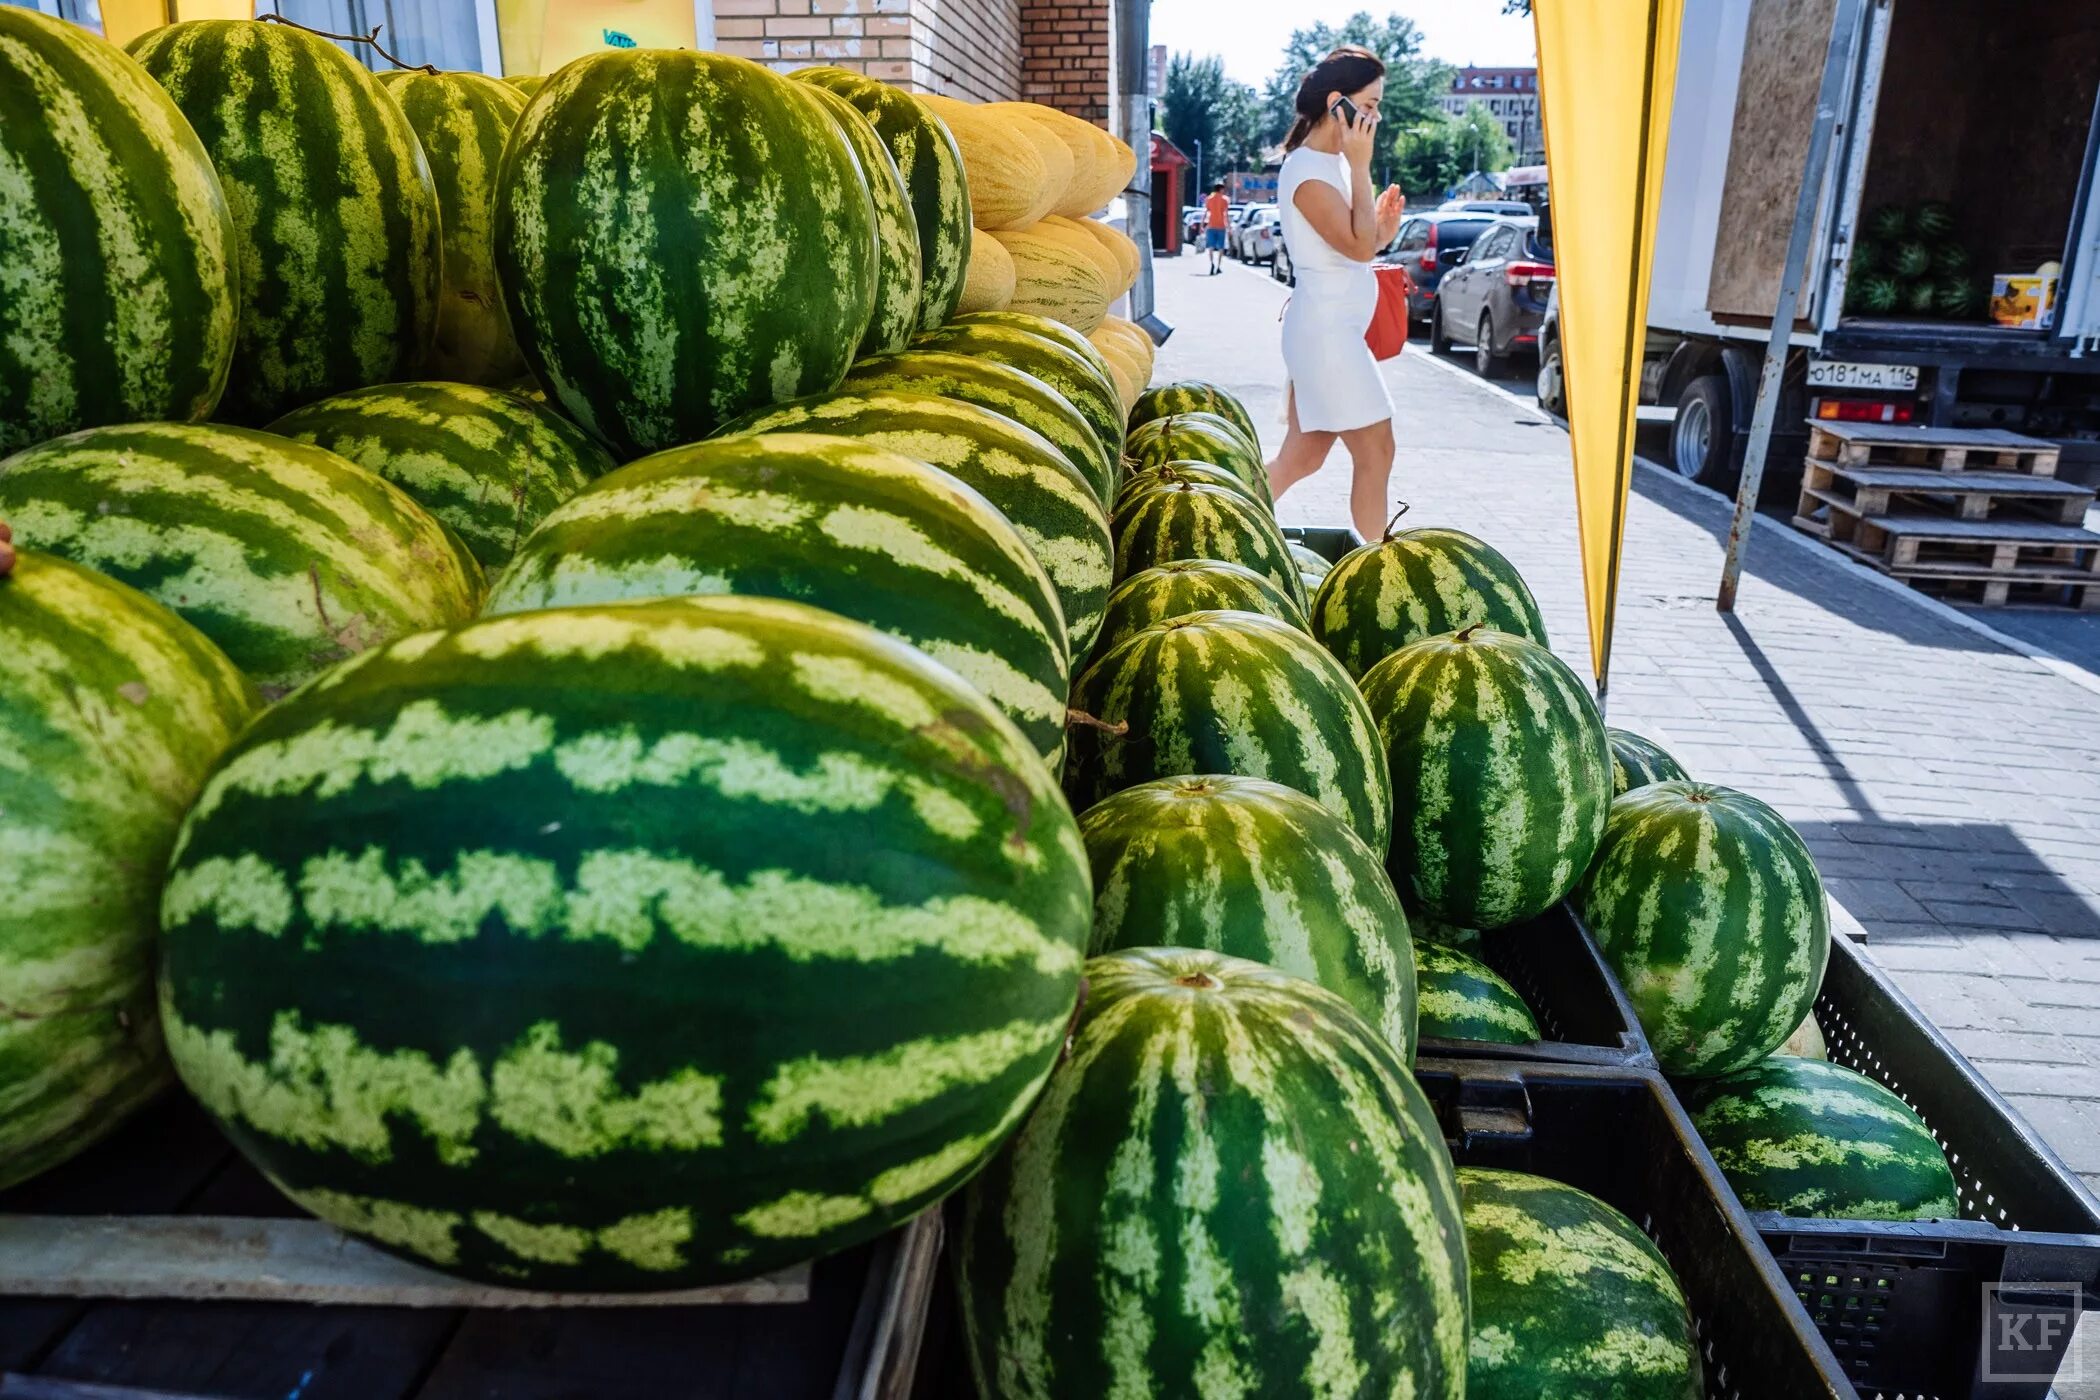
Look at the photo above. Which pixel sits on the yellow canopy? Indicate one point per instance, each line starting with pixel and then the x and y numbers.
pixel 1607 69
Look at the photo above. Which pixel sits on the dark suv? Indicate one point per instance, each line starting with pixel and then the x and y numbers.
pixel 1428 246
pixel 1495 299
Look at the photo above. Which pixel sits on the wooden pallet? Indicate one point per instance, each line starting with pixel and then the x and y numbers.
pixel 1918 543
pixel 2078 593
pixel 1969 495
pixel 1939 449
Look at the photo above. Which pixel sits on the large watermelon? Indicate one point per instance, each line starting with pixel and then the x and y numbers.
pixel 1190 585
pixel 1637 762
pixel 463 121
pixel 631 946
pixel 1256 870
pixel 1191 396
pixel 1188 520
pixel 112 710
pixel 932 170
pixel 1231 1186
pixel 1228 692
pixel 1459 997
pixel 1570 1299
pixel 682 237
pixel 1202 474
pixel 1011 392
pixel 287 556
pixel 1017 470
pixel 1501 774
pixel 487 463
pixel 1414 584
pixel 527 83
pixel 895 315
pixel 1198 437
pixel 1092 393
pixel 334 209
pixel 1708 906
pixel 117 256
pixel 1806 1137
pixel 838 523
pixel 1048 329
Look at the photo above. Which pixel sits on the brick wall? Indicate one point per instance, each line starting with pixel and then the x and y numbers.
pixel 1064 63
pixel 968 48
pixel 965 48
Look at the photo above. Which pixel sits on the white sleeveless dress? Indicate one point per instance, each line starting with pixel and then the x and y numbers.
pixel 1332 374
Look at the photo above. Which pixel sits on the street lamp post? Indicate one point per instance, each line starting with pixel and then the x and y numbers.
pixel 1199 166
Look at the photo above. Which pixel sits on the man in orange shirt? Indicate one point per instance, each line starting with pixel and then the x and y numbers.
pixel 1214 208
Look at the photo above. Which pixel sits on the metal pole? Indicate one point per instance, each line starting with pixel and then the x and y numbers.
pixel 1844 31
pixel 1132 22
pixel 1199 169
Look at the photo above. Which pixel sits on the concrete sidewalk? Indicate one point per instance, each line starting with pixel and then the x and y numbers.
pixel 1949 787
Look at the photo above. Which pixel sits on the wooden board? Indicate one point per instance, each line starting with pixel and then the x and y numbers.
pixel 1943 449
pixel 1872 491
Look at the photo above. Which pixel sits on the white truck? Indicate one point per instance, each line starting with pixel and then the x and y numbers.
pixel 1980 112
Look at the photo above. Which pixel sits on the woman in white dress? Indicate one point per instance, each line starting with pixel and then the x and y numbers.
pixel 1334 226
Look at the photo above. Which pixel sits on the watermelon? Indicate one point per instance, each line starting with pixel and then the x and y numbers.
pixel 1231 1186
pixel 662 284
pixel 335 215
pixel 1092 394
pixel 1910 259
pixel 117 254
pixel 895 316
pixel 463 121
pixel 1637 762
pixel 1426 927
pixel 1951 261
pixel 1017 470
pixel 1228 692
pixel 1461 998
pixel 1888 224
pixel 1806 1137
pixel 1010 392
pixel 1879 294
pixel 1048 329
pixel 1708 906
pixel 285 555
pixel 1198 437
pixel 527 83
pixel 1867 256
pixel 112 710
pixel 1932 219
pixel 634 946
pixel 1414 584
pixel 1190 521
pixel 1199 473
pixel 1501 774
pixel 1256 870
pixel 1192 396
pixel 1921 298
pixel 1184 586
pixel 837 523
pixel 489 464
pixel 1955 296
pixel 1311 563
pixel 1570 1299
pixel 931 167
pixel 1214 423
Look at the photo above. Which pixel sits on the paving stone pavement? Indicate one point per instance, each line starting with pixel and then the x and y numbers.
pixel 1949 787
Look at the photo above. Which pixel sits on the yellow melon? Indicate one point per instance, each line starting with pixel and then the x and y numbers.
pixel 1056 152
pixel 1140 344
pixel 1122 366
pixel 1119 247
pixel 1055 277
pixel 1097 176
pixel 988 282
pixel 1009 181
pixel 1075 232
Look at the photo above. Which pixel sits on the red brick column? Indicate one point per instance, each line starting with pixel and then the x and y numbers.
pixel 1064 56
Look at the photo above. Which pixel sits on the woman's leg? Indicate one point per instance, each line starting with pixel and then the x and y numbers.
pixel 1300 456
pixel 1371 453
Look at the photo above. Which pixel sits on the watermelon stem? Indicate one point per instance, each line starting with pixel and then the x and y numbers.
pixel 372 39
pixel 1465 633
pixel 1201 981
pixel 1082 718
pixel 1395 520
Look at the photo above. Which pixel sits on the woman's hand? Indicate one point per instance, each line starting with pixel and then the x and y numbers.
pixel 1391 204
pixel 1359 136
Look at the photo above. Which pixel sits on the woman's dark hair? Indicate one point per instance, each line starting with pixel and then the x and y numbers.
pixel 1350 68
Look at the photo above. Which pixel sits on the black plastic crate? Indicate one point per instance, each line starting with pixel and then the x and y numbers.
pixel 1582 1014
pixel 1327 541
pixel 1619 1134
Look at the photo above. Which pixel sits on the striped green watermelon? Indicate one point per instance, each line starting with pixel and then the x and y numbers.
pixel 1256 870
pixel 1637 762
pixel 117 254
pixel 1199 437
pixel 1570 1299
pixel 1017 470
pixel 1190 585
pixel 1192 396
pixel 1414 584
pixel 1461 998
pixel 625 947
pixel 1311 563
pixel 527 83
pixel 1212 424
pixel 682 237
pixel 1228 692
pixel 1048 329
pixel 285 555
pixel 1427 928
pixel 1708 906
pixel 1501 774
pixel 1011 392
pixel 1231 1187
pixel 897 267
pixel 112 710
pixel 463 121
pixel 1202 474
pixel 1806 1137
pixel 931 166
pixel 489 464
pixel 1092 394
pixel 334 209
pixel 837 523
pixel 1191 521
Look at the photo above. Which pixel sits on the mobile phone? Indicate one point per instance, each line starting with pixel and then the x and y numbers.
pixel 1345 109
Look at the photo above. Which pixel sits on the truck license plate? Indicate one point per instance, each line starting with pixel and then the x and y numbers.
pixel 1844 374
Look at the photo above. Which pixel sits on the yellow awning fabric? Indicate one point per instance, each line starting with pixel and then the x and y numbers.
pixel 1607 69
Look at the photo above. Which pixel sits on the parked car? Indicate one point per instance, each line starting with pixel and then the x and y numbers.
pixel 1428 245
pixel 1553 384
pixel 1512 208
pixel 1192 228
pixel 1262 236
pixel 1236 233
pixel 1495 297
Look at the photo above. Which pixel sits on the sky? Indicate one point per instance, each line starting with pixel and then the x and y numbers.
pixel 1250 34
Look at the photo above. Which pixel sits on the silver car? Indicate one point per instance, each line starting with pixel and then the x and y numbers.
pixel 1262 236
pixel 1236 231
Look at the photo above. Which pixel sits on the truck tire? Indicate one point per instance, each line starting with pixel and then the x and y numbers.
pixel 1702 440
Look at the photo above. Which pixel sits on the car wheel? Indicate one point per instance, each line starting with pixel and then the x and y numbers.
pixel 1552 388
pixel 1439 342
pixel 1488 362
pixel 1702 440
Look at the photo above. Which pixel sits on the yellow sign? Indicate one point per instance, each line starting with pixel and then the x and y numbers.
pixel 539 36
pixel 125 20
pixel 1607 69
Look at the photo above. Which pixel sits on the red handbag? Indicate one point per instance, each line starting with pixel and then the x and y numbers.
pixel 1387 334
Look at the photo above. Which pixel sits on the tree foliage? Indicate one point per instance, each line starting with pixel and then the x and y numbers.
pixel 1412 82
pixel 1202 105
pixel 1433 156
